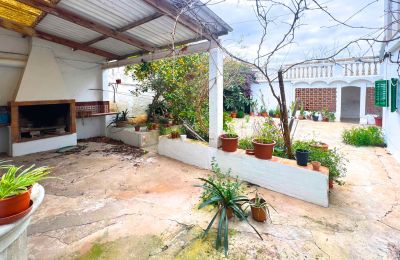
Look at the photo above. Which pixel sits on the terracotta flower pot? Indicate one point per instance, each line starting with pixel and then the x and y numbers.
pixel 118 81
pixel 229 144
pixel 121 123
pixel 320 145
pixel 258 214
pixel 330 184
pixel 15 204
pixel 264 114
pixel 316 165
pixel 250 151
pixel 325 119
pixel 251 113
pixel 233 114
pixel 263 151
pixel 300 117
pixel 137 128
pixel 229 213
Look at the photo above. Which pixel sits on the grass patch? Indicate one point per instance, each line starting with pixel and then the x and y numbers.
pixel 363 136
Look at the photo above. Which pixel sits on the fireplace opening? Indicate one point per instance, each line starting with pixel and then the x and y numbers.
pixel 39 121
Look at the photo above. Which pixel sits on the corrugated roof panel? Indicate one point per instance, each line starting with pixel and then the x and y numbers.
pixel 159 32
pixel 114 46
pixel 115 13
pixel 62 28
pixel 18 12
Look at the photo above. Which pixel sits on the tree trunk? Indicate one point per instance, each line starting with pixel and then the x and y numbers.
pixel 284 117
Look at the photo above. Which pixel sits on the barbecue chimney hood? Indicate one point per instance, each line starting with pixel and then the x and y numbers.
pixel 41 79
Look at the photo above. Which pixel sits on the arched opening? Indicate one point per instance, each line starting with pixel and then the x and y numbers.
pixel 350 104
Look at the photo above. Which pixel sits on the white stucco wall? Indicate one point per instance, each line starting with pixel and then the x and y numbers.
pixel 391 120
pixel 80 71
pixel 269 99
pixel 136 105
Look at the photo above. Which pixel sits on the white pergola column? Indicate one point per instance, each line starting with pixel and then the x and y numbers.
pixel 338 102
pixel 215 90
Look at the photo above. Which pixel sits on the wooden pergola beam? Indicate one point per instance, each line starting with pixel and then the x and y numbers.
pixel 28 31
pixel 170 10
pixel 82 21
pixel 163 54
pixel 128 27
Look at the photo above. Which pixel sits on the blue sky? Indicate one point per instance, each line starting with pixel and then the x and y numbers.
pixel 314 39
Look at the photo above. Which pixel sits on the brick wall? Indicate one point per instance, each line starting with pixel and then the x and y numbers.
pixel 370 107
pixel 317 98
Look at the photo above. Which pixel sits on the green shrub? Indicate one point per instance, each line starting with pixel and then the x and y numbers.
pixel 240 114
pixel 332 159
pixel 363 136
pixel 245 143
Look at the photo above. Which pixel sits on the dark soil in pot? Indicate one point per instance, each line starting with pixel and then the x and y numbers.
pixel 263 151
pixel 302 157
pixel 15 204
pixel 229 144
pixel 258 214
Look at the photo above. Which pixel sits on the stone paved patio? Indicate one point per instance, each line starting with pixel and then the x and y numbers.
pixel 111 206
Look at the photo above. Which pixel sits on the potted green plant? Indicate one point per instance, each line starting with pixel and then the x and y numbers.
pixel 246 144
pixel 271 113
pixel 15 187
pixel 120 119
pixel 277 112
pixel 315 116
pixel 325 115
pixel 229 140
pixel 225 194
pixel 264 141
pixel 263 111
pixel 175 133
pixel 260 208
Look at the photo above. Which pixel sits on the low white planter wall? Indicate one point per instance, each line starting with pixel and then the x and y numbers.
pixel 280 175
pixel 128 135
pixel 13 237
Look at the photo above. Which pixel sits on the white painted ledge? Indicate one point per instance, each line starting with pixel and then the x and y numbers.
pixel 280 175
pixel 42 145
pixel 15 233
pixel 128 135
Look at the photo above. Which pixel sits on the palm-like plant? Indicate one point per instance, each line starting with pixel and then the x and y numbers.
pixel 226 197
pixel 16 180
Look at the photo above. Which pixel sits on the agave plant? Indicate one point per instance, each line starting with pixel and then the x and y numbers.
pixel 225 195
pixel 16 180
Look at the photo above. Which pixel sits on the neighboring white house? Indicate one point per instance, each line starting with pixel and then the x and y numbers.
pixel 345 87
pixel 389 70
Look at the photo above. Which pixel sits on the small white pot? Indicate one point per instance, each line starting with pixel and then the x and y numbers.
pixel 183 137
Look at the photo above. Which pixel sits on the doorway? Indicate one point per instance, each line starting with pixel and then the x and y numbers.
pixel 350 104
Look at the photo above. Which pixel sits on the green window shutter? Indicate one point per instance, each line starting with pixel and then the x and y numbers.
pixel 393 94
pixel 381 93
